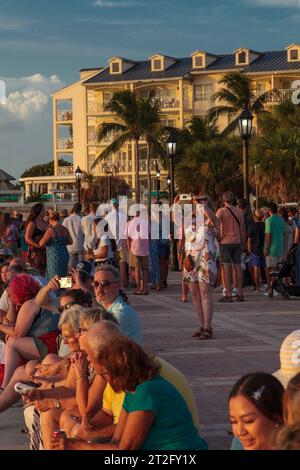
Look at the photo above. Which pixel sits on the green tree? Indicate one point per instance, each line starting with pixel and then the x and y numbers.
pixel 211 167
pixel 44 169
pixel 138 119
pixel 236 94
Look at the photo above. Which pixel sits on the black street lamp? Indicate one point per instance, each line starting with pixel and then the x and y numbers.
pixel 171 149
pixel 245 125
pixel 157 170
pixel 169 186
pixel 78 176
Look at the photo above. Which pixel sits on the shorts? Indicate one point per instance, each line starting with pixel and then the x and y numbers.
pixel 231 253
pixel 272 261
pixel 257 261
pixel 46 344
pixel 141 261
pixel 163 250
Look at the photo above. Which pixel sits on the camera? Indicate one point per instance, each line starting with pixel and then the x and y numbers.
pixel 185 197
pixel 22 388
pixel 65 282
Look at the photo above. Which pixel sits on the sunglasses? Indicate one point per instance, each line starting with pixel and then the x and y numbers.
pixel 66 306
pixel 97 284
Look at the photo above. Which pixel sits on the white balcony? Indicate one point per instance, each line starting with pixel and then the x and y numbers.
pixel 64 144
pixel 64 115
pixel 277 96
pixel 65 170
pixel 97 108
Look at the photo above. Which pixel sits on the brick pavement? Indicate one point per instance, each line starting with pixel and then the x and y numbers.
pixel 247 339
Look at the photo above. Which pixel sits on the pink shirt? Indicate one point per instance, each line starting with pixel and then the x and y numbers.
pixel 230 231
pixel 137 230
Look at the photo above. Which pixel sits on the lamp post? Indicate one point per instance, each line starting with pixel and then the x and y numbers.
pixel 157 170
pixel 256 187
pixel 171 149
pixel 245 125
pixel 169 186
pixel 78 176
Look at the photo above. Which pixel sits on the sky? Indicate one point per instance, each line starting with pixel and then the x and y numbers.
pixel 44 44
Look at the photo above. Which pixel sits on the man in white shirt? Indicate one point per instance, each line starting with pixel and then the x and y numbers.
pixel 73 224
pixel 117 221
pixel 87 225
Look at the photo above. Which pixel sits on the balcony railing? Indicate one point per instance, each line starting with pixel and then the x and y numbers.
pixel 64 115
pixel 65 170
pixel 97 108
pixel 277 96
pixel 64 144
pixel 167 102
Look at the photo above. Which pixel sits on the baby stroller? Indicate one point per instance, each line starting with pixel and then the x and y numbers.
pixel 286 270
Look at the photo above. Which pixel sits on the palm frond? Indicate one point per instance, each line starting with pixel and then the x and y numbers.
pixel 113 147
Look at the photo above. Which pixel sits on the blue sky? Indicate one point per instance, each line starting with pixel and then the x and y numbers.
pixel 43 44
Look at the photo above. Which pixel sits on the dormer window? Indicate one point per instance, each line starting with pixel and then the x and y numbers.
pixel 199 61
pixel 242 58
pixel 157 64
pixel 160 62
pixel 294 54
pixel 115 67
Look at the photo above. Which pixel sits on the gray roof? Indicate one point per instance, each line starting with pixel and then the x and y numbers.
pixel 5 176
pixel 141 70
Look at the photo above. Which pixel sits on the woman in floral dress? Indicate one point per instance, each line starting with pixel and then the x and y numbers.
pixel 200 272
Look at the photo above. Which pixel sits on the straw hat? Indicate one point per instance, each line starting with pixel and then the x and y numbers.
pixel 289 358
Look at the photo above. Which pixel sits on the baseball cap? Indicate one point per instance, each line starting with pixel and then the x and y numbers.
pixel 114 202
pixel 289 358
pixel 85 267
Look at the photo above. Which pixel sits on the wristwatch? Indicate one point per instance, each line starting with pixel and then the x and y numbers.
pixel 57 404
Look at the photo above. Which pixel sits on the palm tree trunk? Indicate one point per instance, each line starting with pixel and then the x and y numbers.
pixel 149 179
pixel 137 173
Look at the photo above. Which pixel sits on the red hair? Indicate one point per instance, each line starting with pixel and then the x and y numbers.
pixel 23 287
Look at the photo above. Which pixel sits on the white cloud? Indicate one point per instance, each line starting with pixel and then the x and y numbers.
pixel 276 3
pixel 117 4
pixel 27 96
pixel 15 24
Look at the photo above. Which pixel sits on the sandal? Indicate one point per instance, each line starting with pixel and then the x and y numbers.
pixel 197 333
pixel 226 299
pixel 207 333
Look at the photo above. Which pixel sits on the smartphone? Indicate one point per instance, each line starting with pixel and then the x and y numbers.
pixel 65 282
pixel 185 197
pixel 22 388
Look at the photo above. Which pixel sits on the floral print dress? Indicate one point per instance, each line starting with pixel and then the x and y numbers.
pixel 202 245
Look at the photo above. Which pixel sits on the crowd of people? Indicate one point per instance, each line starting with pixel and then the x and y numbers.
pixel 69 333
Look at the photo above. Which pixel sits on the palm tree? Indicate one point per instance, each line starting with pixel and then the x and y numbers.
pixel 277 156
pixel 236 95
pixel 138 119
pixel 211 167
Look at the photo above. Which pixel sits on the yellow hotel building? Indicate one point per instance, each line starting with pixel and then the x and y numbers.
pixel 183 87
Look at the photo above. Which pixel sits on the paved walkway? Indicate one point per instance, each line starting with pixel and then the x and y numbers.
pixel 247 339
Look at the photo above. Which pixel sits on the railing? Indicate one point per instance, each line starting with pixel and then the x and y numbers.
pixel 277 96
pixel 63 144
pixel 144 166
pixel 11 198
pixel 97 108
pixel 64 115
pixel 67 170
pixel 62 196
pixel 166 103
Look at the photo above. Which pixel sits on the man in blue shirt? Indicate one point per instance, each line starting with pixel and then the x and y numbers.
pixel 107 291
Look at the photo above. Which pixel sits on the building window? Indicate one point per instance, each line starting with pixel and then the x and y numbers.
pixel 261 87
pixel 294 54
pixel 199 61
pixel 203 92
pixel 242 58
pixel 115 67
pixel 157 65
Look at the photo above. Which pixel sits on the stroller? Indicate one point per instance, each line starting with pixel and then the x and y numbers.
pixel 286 270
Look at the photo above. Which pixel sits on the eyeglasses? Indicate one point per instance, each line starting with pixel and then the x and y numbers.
pixel 66 306
pixel 102 284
